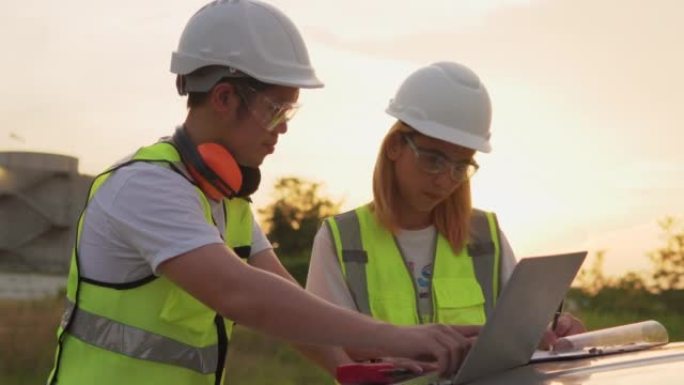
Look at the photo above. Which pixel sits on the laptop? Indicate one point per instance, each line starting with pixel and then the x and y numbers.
pixel 523 312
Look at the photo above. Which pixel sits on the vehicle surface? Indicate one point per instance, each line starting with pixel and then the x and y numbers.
pixel 663 365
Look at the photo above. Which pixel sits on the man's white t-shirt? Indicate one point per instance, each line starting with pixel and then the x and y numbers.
pixel 418 248
pixel 143 215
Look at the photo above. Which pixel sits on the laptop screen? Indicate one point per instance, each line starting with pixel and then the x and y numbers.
pixel 522 313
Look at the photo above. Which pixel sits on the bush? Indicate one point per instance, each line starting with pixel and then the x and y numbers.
pixel 298 267
pixel 612 306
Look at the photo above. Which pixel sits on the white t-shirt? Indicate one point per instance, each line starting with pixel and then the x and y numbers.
pixel 143 215
pixel 417 246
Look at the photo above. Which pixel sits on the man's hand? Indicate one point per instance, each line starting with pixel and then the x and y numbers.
pixel 414 366
pixel 444 345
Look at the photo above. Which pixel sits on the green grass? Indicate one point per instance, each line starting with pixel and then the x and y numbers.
pixel 23 378
pixel 257 359
pixel 27 343
pixel 253 359
pixel 674 323
pixel 27 340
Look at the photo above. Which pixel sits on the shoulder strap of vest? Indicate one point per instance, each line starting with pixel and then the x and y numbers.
pixel 238 227
pixel 484 249
pixel 354 258
pixel 480 242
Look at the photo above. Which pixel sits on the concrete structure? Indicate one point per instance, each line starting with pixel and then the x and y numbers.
pixel 41 196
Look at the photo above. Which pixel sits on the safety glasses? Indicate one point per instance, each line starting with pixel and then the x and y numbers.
pixel 435 163
pixel 269 114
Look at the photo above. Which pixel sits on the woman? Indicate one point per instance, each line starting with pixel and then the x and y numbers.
pixel 419 253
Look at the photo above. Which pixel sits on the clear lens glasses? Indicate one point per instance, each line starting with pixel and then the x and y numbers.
pixel 433 163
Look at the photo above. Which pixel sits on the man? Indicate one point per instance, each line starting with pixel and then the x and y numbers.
pixel 156 266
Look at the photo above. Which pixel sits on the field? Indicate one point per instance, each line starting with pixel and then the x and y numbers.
pixel 674 323
pixel 27 339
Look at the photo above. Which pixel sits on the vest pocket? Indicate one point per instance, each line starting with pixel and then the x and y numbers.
pixel 458 301
pixel 398 310
pixel 182 309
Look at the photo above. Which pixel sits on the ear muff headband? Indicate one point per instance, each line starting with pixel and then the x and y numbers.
pixel 211 166
pixel 251 177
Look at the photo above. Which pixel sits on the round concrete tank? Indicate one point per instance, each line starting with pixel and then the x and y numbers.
pixel 41 196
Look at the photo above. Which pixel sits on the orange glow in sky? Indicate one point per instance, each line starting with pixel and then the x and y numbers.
pixel 587 96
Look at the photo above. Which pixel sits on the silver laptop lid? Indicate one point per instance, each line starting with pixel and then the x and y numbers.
pixel 522 313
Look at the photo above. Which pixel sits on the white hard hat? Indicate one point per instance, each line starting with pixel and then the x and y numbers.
pixel 244 36
pixel 445 101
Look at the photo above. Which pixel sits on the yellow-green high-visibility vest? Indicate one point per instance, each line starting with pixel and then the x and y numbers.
pixel 465 285
pixel 149 331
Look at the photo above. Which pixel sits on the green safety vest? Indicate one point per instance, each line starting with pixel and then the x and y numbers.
pixel 465 285
pixel 149 331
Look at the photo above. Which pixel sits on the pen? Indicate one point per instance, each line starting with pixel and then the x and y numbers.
pixel 556 316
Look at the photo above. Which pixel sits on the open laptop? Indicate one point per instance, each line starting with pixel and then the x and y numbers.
pixel 522 313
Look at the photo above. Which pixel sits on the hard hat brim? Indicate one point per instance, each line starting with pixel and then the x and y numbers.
pixel 183 64
pixel 448 134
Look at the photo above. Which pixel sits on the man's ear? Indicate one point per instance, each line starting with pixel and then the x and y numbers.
pixel 224 98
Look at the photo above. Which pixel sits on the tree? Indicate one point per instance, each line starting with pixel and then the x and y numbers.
pixel 592 280
pixel 669 260
pixel 292 219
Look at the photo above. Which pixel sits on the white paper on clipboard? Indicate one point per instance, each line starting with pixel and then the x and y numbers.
pixel 545 355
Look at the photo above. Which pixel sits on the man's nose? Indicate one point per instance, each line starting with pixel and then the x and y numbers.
pixel 280 128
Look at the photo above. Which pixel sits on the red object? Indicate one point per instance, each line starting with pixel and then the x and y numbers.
pixel 370 373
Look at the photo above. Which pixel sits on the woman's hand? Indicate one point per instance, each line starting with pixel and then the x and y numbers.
pixel 567 325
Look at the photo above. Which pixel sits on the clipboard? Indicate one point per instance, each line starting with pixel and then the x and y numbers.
pixel 546 356
pixel 614 340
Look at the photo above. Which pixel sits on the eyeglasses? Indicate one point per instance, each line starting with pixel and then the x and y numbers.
pixel 434 163
pixel 276 113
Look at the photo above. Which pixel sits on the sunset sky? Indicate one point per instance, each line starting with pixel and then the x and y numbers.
pixel 587 101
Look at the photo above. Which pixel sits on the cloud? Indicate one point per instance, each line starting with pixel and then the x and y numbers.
pixel 362 20
pixel 602 54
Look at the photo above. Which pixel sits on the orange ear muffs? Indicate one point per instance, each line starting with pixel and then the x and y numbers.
pixel 211 166
pixel 222 163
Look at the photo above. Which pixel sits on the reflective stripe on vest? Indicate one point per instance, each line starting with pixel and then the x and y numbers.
pixel 354 257
pixel 483 249
pixel 137 343
pixel 177 330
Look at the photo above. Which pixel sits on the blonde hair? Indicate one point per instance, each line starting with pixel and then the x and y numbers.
pixel 451 217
